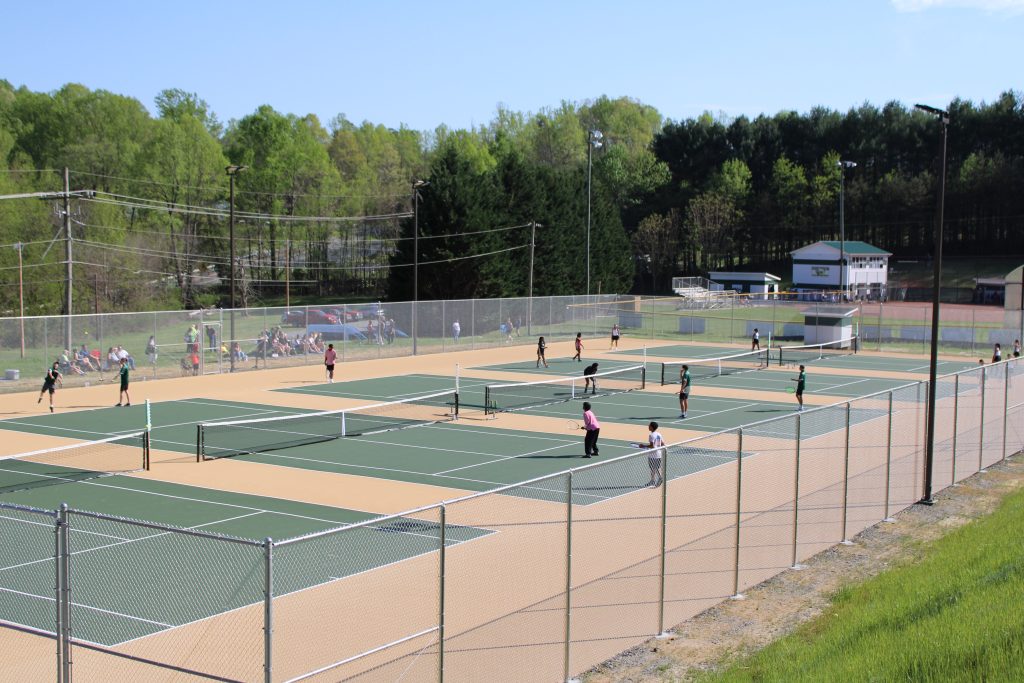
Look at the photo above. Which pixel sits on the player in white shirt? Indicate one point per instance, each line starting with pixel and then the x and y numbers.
pixel 656 443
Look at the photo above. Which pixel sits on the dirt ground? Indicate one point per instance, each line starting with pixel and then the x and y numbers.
pixel 778 606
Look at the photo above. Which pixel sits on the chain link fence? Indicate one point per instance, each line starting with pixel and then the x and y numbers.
pixel 539 580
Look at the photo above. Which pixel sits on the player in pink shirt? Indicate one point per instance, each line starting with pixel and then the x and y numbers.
pixel 593 428
pixel 330 355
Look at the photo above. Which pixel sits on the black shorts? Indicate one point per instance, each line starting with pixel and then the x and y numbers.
pixel 49 386
pixel 615 337
pixel 684 395
pixel 330 368
pixel 799 392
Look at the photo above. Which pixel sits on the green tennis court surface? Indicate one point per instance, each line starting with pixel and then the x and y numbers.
pixel 775 380
pixel 138 609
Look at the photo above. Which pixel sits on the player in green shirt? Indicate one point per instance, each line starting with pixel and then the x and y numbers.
pixel 684 390
pixel 123 376
pixel 801 382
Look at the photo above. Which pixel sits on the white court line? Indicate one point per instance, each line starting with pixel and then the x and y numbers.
pixel 49 598
pixel 503 458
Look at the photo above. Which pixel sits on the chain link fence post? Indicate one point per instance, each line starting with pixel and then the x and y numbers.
pixel 888 462
pixel 796 498
pixel 981 423
pixel 736 595
pixel 64 574
pixel 1006 402
pixel 568 572
pixel 443 512
pixel 664 541
pixel 268 610
pixel 846 477
pixel 956 410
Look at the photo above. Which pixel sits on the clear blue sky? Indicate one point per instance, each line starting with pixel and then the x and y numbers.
pixel 430 63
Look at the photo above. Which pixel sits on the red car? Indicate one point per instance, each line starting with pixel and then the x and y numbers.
pixel 348 315
pixel 311 317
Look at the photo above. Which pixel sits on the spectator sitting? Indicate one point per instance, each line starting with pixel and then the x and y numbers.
pixel 83 362
pixel 66 366
pixel 123 354
pixel 87 361
pixel 239 354
pixel 112 359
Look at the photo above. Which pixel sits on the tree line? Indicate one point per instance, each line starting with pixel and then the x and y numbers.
pixel 329 210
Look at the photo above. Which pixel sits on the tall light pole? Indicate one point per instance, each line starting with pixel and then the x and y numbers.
pixel 843 165
pixel 929 460
pixel 232 171
pixel 593 142
pixel 417 185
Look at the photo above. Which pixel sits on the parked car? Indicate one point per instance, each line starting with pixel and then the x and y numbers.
pixel 313 316
pixel 347 314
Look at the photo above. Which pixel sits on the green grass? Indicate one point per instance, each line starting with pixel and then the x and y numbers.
pixel 952 615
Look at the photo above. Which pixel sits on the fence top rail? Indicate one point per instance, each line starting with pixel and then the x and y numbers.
pixel 28 508
pixel 166 527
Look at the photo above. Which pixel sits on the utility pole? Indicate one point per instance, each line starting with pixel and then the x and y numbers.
pixel 533 243
pixel 232 171
pixel 68 285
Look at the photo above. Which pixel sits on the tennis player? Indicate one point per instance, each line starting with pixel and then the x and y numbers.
pixel 579 347
pixel 657 445
pixel 755 341
pixel 541 349
pixel 801 382
pixel 616 332
pixel 52 379
pixel 685 382
pixel 593 429
pixel 330 355
pixel 997 353
pixel 123 376
pixel 1016 348
pixel 589 378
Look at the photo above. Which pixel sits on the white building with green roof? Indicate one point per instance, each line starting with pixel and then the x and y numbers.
pixel 816 268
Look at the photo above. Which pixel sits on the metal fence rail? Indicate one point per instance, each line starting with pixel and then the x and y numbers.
pixel 544 578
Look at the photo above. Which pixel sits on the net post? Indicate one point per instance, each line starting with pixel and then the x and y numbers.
pixel 487 401
pixel 643 377
pixel 846 476
pixel 199 442
pixel 662 374
pixel 645 355
pixel 441 559
pixel 736 595
pixel 568 574
pixel 456 378
pixel 149 416
pixel 343 426
pixel 981 422
pixel 796 498
pixel 268 610
pixel 455 406
pixel 145 451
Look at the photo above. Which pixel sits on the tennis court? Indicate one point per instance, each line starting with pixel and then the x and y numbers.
pixel 858 361
pixel 134 610
pixel 562 366
pixel 471 456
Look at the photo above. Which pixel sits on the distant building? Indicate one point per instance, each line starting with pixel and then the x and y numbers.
pixel 816 268
pixel 746 283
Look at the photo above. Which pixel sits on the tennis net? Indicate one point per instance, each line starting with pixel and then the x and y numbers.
pixel 518 395
pixel 715 367
pixel 808 353
pixel 77 462
pixel 237 437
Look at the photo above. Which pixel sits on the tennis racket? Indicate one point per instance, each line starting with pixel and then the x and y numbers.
pixel 790 390
pixel 637 444
pixel 573 424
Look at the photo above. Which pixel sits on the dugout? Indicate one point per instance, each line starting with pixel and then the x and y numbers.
pixel 828 324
